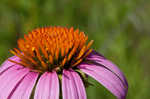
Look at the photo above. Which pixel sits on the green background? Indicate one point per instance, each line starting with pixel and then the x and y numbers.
pixel 120 30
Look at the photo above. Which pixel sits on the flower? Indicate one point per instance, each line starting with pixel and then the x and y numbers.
pixel 54 62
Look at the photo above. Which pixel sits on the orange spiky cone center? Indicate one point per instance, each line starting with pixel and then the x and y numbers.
pixel 52 48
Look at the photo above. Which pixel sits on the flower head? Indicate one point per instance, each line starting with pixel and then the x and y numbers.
pixel 53 57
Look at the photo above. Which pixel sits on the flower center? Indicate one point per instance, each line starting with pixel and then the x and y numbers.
pixel 52 48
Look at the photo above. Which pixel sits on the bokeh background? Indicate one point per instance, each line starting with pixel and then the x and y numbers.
pixel 120 29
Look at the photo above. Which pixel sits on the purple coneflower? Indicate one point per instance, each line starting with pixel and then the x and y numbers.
pixel 54 62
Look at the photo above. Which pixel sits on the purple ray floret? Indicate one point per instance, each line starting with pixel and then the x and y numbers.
pixel 72 85
pixel 106 73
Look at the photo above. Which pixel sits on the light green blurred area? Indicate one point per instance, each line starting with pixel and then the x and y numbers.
pixel 120 30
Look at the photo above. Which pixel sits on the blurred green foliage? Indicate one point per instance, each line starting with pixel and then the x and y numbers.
pixel 119 28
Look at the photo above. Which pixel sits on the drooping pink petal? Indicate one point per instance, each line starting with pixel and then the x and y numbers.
pixel 94 56
pixel 8 64
pixel 47 86
pixel 107 78
pixel 24 89
pixel 72 85
pixel 10 79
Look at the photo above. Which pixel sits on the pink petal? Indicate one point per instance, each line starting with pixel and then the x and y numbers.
pixel 47 86
pixel 72 85
pixel 106 78
pixel 8 64
pixel 24 90
pixel 10 79
pixel 108 64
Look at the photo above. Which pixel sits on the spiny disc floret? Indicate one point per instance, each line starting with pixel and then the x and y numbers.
pixel 52 48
